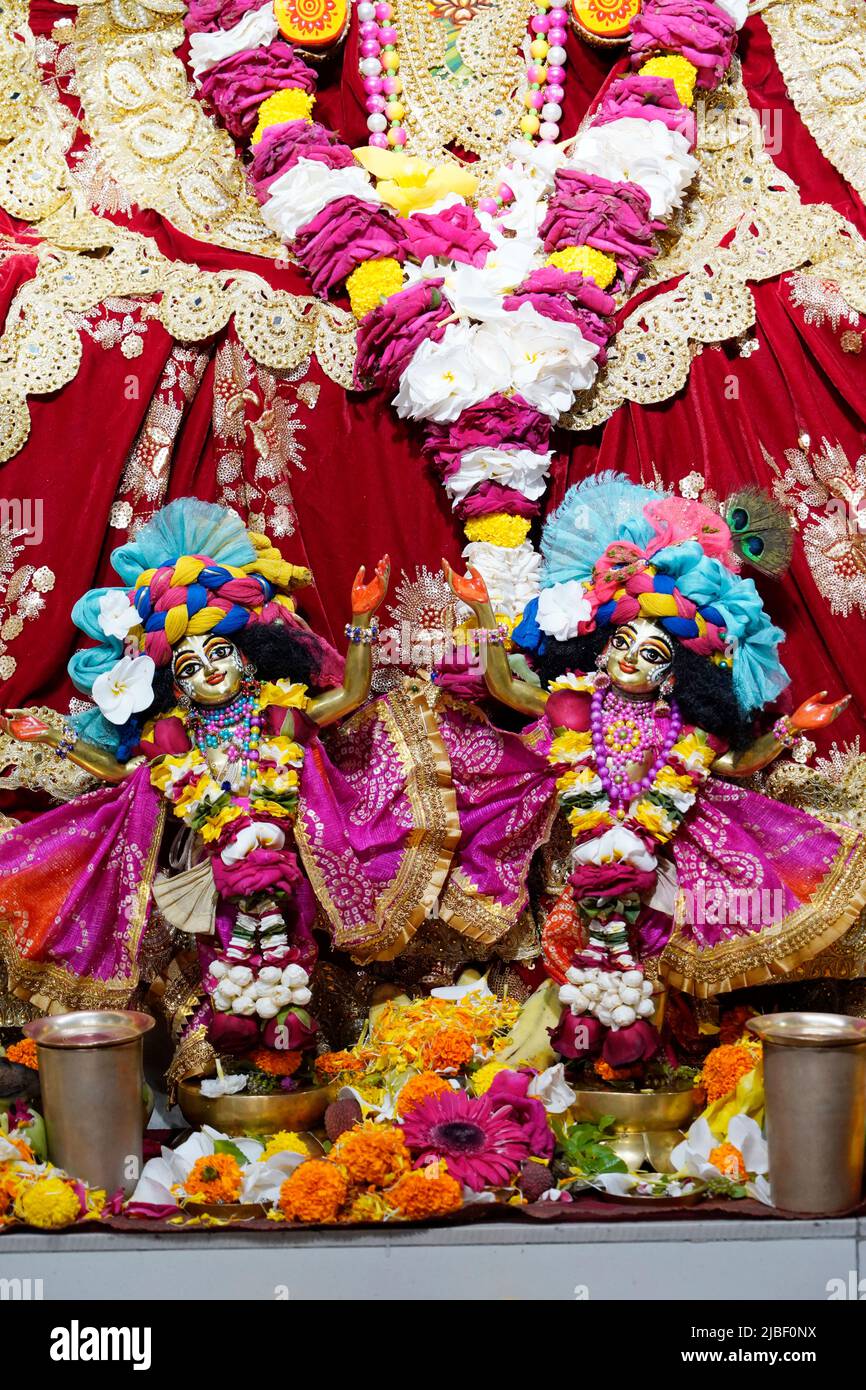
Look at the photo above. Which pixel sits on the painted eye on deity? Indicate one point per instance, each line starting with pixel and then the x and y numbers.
pixel 207 669
pixel 639 655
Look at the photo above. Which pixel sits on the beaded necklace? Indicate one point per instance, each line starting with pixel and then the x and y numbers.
pixel 235 727
pixel 623 731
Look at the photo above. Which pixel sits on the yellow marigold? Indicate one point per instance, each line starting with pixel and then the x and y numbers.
pixel 587 820
pixel 498 528
pixel 314 1192
pixel 426 1192
pixel 371 1154
pixel 448 1050
pixel 291 104
pixel 681 72
pixel 215 1178
pixel 483 1078
pixel 47 1203
pixel 214 826
pixel 285 1141
pixel 418 1088
pixel 595 265
pixel 270 808
pixel 723 1068
pixel 23 1052
pixel 729 1161
pixel 372 282
pixel 668 780
pixel 275 1063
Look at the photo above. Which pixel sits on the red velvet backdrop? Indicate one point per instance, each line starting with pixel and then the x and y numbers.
pixel 360 486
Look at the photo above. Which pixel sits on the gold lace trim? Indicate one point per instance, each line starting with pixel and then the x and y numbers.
pixel 820 48
pixel 774 953
pixel 36 767
pixel 738 186
pixel 151 135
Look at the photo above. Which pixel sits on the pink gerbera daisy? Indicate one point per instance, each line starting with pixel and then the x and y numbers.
pixel 480 1144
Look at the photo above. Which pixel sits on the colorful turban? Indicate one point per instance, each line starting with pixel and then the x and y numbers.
pixel 195 596
pixel 655 596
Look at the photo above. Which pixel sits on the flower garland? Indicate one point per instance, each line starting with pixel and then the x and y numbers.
pixel 486 321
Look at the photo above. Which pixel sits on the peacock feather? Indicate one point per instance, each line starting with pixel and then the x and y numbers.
pixel 761 530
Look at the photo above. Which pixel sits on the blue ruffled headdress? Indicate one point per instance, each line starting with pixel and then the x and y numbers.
pixel 608 509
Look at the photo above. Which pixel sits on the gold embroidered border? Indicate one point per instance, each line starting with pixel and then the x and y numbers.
pixel 154 137
pixel 820 48
pixel 404 903
pixel 774 953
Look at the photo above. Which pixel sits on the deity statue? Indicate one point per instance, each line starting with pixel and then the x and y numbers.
pixel 202 680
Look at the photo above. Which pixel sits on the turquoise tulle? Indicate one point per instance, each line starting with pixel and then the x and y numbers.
pixel 593 515
pixel 185 527
pixel 91 727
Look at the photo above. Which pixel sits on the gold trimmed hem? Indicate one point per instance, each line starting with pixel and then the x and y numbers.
pixel 770 956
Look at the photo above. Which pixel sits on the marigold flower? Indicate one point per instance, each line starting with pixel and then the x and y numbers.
pixel 483 1078
pixel 291 104
pixel 215 1178
pixel 595 265
pixel 23 1052
pixel 314 1192
pixel 418 1088
pixel 448 1051
pixel 724 1067
pixel 729 1161
pixel 498 528
pixel 609 1073
pixel 275 1063
pixel 368 1206
pixel 285 1141
pixel 426 1192
pixel 48 1203
pixel 372 1154
pixel 681 72
pixel 23 1148
pixel 331 1064
pixel 9 1188
pixel 373 282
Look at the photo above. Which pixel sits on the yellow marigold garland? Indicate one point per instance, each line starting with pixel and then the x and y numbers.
pixel 291 104
pixel 372 282
pixel 595 265
pixel 498 528
pixel 681 72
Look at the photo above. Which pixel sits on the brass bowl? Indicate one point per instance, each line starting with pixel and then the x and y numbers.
pixel 299 1110
pixel 648 1125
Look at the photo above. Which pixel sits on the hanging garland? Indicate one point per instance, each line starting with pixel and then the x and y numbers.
pixel 482 311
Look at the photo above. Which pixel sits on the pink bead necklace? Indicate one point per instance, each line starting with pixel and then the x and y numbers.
pixel 623 731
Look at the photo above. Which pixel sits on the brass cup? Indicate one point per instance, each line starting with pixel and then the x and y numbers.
pixel 815 1087
pixel 648 1125
pixel 92 1093
pixel 299 1110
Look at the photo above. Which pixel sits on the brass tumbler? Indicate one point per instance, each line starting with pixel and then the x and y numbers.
pixel 90 1072
pixel 815 1085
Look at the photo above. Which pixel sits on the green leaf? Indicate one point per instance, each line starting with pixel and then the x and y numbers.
pixel 225 1146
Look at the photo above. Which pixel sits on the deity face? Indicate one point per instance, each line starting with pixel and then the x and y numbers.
pixel 639 656
pixel 207 669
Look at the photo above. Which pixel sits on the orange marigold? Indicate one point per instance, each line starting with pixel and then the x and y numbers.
pixel 372 1154
pixel 23 1052
pixel 315 1191
pixel 215 1178
pixel 8 1193
pixel 723 1068
pixel 448 1050
pixel 418 1088
pixel 729 1161
pixel 275 1063
pixel 334 1063
pixel 609 1073
pixel 425 1192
